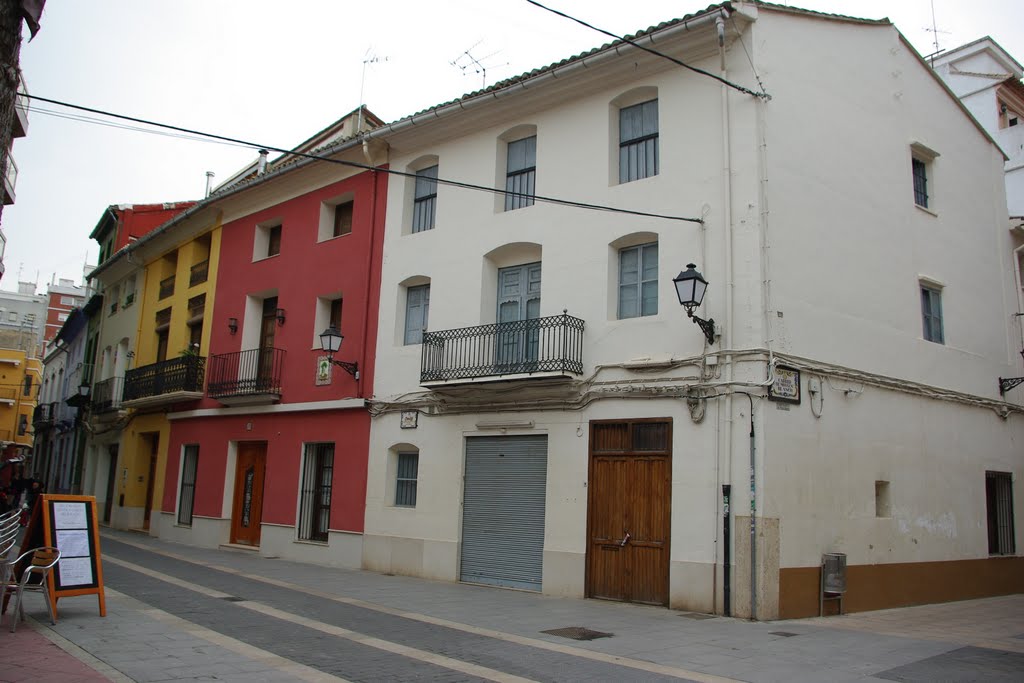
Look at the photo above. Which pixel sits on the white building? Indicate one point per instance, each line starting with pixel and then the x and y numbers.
pixel 515 446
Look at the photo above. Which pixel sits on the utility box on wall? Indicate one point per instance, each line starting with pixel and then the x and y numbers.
pixel 833 580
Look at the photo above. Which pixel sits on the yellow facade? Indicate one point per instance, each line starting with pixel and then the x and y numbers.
pixel 20 377
pixel 166 312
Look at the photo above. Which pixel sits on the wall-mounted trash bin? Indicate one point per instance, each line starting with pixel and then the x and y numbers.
pixel 833 580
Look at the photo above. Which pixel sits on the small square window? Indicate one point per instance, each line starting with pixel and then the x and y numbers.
pixel 931 314
pixel 406 479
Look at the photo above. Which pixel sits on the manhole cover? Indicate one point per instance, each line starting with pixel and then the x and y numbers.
pixel 784 634
pixel 697 616
pixel 232 598
pixel 578 633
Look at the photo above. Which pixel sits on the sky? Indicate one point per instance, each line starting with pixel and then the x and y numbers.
pixel 274 73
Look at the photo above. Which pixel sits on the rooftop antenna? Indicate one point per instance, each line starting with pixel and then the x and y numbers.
pixel 369 57
pixel 935 35
pixel 466 61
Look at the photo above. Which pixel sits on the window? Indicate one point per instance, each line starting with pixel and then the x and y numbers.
pixel 67 301
pixel 405 481
pixel 638 281
pixel 315 501
pixel 187 494
pixel 521 173
pixel 920 171
pixel 342 219
pixel 13 317
pixel 999 506
pixel 931 314
pixel 335 314
pixel 638 141
pixel 425 199
pixel 60 317
pixel 27 390
pixel 22 424
pixel 274 241
pixel 417 308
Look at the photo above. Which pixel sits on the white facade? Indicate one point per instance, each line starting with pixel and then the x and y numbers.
pixel 816 251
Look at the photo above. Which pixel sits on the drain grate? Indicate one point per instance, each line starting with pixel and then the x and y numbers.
pixel 696 616
pixel 232 598
pixel 784 634
pixel 578 633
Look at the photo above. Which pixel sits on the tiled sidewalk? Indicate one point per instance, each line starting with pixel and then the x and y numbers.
pixel 33 655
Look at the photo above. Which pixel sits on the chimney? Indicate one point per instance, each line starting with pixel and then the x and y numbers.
pixel 209 182
pixel 262 167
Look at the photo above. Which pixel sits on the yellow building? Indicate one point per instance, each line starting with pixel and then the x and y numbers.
pixel 20 378
pixel 166 358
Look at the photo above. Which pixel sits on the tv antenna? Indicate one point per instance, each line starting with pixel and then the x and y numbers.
pixel 369 57
pixel 935 35
pixel 466 62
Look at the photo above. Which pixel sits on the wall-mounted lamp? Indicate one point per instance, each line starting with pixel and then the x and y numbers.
pixel 233 325
pixel 279 314
pixel 330 342
pixel 690 288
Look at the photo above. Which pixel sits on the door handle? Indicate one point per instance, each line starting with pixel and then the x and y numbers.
pixel 624 541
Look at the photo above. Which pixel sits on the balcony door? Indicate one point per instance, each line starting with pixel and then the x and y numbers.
pixel 268 328
pixel 518 302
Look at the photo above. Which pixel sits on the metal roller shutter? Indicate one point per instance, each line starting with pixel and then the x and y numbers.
pixel 503 511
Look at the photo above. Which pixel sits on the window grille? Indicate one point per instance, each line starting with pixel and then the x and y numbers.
pixel 405 482
pixel 315 502
pixel 187 496
pixel 920 171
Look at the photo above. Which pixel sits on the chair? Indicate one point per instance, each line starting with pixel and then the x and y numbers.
pixel 10 527
pixel 38 563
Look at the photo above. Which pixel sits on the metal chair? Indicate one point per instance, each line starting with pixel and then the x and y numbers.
pixel 38 563
pixel 10 527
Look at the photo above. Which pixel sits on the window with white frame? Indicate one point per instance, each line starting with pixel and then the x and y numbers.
pixel 187 490
pixel 267 240
pixel 407 475
pixel 68 301
pixel 638 141
pixel 424 205
pixel 521 173
pixel 328 314
pixel 638 281
pixel 922 168
pixel 417 312
pixel 315 498
pixel 931 313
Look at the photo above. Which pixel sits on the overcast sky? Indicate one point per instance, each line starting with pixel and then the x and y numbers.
pixel 276 72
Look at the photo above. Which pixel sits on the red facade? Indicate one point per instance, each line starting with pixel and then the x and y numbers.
pixel 305 269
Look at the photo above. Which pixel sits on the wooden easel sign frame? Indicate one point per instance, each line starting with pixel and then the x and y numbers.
pixel 70 524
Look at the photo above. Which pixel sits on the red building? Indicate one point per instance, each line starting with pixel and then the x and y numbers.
pixel 121 224
pixel 275 453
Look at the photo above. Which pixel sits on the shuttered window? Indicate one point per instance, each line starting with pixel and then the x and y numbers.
pixel 417 309
pixel 187 494
pixel 315 501
pixel 424 204
pixel 638 141
pixel 931 314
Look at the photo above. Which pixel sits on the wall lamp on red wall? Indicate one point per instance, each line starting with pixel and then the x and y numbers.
pixel 280 316
pixel 233 325
pixel 330 342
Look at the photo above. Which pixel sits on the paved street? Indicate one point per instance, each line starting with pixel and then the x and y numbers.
pixel 176 613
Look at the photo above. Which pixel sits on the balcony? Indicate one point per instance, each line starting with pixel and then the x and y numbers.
pixel 10 179
pixel 107 395
pixel 166 287
pixel 246 377
pixel 542 347
pixel 166 382
pixel 198 273
pixel 43 416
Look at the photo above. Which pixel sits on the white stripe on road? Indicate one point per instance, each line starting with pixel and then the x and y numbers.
pixel 362 639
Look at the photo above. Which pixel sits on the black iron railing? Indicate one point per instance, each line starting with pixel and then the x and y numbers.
pixel 106 395
pixel 198 273
pixel 257 371
pixel 44 414
pixel 550 344
pixel 166 287
pixel 166 377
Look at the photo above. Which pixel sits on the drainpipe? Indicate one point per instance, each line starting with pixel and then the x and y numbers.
pixel 375 178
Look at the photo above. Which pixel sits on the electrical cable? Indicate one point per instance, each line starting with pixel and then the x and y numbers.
pixel 365 167
pixel 637 45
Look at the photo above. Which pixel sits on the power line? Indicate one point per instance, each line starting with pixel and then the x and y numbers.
pixel 637 45
pixel 365 167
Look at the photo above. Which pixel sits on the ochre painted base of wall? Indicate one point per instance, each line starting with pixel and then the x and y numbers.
pixel 882 586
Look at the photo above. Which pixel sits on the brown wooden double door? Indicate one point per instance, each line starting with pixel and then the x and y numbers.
pixel 629 510
pixel 247 511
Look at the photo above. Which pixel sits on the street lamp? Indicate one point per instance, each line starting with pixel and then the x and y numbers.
pixel 690 288
pixel 330 342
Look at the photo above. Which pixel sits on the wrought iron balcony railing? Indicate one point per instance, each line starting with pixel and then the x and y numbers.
pixel 107 394
pixel 166 287
pixel 180 375
pixel 541 345
pixel 198 273
pixel 256 372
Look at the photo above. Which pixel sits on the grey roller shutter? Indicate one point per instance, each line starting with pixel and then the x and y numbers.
pixel 503 511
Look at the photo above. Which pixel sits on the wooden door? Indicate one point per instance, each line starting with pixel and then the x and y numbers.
pixel 628 511
pixel 154 446
pixel 268 331
pixel 247 515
